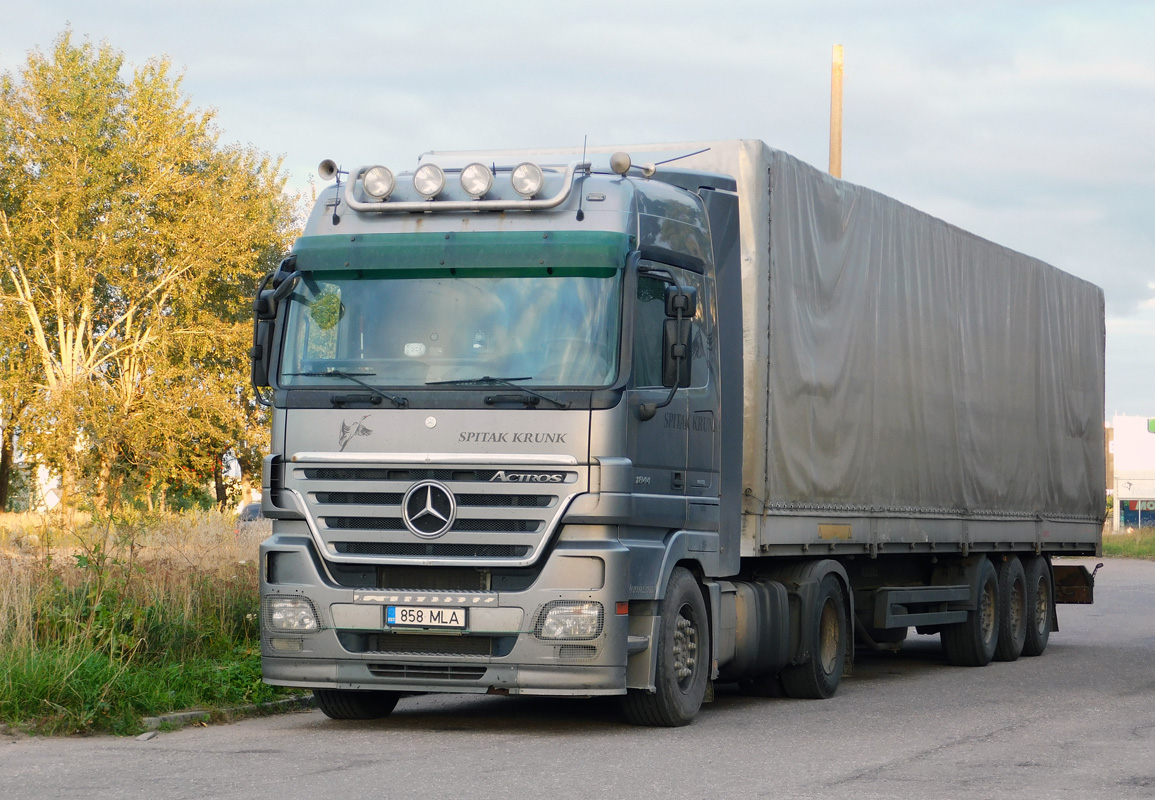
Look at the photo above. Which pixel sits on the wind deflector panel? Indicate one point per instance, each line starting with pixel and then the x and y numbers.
pixel 483 249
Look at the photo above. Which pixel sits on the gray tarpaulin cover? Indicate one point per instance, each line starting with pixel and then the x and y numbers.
pixel 898 363
pixel 895 361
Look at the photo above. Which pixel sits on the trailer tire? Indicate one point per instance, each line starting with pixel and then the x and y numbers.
pixel 1039 609
pixel 683 659
pixel 1013 617
pixel 819 676
pixel 354 704
pixel 972 643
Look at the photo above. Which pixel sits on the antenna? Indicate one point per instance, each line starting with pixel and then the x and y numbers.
pixel 581 214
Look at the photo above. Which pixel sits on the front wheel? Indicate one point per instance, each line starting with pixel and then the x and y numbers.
pixel 683 659
pixel 352 704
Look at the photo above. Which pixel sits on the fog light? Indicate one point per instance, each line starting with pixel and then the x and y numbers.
pixel 429 180
pixel 527 179
pixel 570 619
pixel 285 645
pixel 290 614
pixel 476 180
pixel 378 182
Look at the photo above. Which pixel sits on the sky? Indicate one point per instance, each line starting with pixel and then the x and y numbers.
pixel 1029 123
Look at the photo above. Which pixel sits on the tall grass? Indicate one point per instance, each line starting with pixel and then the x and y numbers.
pixel 1136 543
pixel 105 621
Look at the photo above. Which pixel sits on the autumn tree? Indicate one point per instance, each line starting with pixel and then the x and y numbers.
pixel 130 241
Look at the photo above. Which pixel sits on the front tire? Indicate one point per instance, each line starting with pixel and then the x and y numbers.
pixel 972 643
pixel 683 659
pixel 351 704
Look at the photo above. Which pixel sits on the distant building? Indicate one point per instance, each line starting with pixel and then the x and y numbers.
pixel 1132 477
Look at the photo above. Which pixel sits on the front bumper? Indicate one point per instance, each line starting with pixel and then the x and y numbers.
pixel 500 651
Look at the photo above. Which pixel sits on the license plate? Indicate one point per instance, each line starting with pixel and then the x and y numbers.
pixel 424 617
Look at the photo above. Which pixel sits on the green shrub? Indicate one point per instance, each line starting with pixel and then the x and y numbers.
pixel 121 619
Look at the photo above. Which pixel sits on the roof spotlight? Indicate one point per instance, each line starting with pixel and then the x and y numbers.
pixel 527 179
pixel 476 180
pixel 429 180
pixel 378 182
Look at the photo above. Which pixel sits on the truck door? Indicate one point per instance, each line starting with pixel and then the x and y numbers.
pixel 673 453
pixel 657 446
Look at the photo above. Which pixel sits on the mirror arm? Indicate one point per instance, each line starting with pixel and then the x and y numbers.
pixel 646 411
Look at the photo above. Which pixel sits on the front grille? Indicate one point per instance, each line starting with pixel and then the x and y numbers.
pixel 404 475
pixel 360 498
pixel 506 500
pixel 576 652
pixel 433 579
pixel 464 525
pixel 398 644
pixel 466 500
pixel 427 673
pixel 357 509
pixel 467 550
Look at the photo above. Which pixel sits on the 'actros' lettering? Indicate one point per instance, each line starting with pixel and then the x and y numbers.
pixel 527 477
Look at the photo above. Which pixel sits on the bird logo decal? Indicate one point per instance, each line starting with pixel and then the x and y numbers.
pixel 348 431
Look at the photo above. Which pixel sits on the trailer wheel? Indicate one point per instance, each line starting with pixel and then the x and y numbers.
pixel 818 677
pixel 972 643
pixel 1013 615
pixel 1038 595
pixel 352 704
pixel 683 659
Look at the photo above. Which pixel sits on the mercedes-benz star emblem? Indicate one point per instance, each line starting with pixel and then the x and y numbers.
pixel 429 509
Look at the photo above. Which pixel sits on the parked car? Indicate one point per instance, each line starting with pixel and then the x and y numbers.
pixel 251 514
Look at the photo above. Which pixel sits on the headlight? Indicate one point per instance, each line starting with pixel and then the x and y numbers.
pixel 527 179
pixel 429 180
pixel 378 182
pixel 570 619
pixel 476 180
pixel 290 614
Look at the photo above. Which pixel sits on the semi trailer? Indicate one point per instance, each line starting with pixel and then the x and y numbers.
pixel 634 420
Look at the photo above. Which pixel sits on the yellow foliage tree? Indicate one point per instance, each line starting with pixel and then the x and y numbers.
pixel 131 242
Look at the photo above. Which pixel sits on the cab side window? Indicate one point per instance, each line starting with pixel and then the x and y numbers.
pixel 649 317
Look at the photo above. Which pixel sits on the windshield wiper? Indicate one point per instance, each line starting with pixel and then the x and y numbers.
pixel 399 402
pixel 486 380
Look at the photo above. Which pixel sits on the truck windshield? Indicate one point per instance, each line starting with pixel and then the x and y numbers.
pixel 412 328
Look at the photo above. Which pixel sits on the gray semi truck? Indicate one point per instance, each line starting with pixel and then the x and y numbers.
pixel 639 419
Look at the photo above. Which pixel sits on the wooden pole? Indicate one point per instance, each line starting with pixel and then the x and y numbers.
pixel 836 112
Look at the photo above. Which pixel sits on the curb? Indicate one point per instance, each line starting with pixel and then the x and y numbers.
pixel 182 718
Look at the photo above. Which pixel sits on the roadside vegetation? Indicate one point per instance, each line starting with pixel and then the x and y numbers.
pixel 1132 543
pixel 106 621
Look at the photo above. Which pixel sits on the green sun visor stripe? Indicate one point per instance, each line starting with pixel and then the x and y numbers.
pixel 554 250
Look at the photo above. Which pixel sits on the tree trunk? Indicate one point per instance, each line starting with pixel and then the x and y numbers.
pixel 6 452
pixel 103 485
pixel 219 484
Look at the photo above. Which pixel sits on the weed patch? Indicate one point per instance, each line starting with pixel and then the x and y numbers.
pixel 1139 543
pixel 107 621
